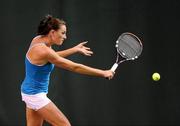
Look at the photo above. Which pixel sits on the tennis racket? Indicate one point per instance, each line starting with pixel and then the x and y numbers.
pixel 129 47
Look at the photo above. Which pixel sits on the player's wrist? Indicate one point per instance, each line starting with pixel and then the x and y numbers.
pixel 75 49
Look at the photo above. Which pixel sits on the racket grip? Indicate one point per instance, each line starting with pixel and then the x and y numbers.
pixel 114 67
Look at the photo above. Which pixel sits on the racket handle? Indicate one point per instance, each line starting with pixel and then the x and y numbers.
pixel 114 67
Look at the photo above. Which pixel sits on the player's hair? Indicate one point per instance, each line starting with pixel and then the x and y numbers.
pixel 49 23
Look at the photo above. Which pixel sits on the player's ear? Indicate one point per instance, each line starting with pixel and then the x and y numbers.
pixel 52 31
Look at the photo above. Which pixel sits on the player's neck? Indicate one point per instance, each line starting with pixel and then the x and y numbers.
pixel 45 39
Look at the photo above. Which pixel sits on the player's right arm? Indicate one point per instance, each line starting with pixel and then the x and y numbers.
pixel 51 56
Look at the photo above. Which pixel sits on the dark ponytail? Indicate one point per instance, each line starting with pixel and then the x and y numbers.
pixel 49 23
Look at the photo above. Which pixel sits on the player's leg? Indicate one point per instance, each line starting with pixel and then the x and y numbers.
pixel 53 115
pixel 33 118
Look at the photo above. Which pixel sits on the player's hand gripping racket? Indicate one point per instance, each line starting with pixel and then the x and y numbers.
pixel 129 46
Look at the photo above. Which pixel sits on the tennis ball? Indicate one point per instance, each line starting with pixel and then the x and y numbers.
pixel 156 76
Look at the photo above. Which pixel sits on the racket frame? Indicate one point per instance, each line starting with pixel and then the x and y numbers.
pixel 123 56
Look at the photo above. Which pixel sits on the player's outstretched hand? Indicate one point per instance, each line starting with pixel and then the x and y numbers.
pixel 81 48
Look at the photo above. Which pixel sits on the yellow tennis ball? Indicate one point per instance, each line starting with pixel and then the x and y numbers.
pixel 156 76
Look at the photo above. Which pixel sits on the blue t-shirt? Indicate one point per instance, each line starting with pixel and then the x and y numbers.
pixel 37 78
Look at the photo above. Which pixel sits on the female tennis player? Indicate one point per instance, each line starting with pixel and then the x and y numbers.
pixel 39 61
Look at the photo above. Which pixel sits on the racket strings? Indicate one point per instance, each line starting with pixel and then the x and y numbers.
pixel 129 47
pixel 132 42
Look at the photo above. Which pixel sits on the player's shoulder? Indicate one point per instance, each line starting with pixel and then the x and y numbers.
pixel 39 49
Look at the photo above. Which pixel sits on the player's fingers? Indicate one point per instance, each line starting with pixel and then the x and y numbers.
pixel 88 54
pixel 83 43
pixel 113 73
pixel 87 48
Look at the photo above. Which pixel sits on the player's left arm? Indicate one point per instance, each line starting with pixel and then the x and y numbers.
pixel 80 48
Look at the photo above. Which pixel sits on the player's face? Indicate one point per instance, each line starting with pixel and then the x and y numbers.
pixel 60 35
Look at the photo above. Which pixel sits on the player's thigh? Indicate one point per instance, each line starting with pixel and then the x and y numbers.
pixel 53 115
pixel 33 118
